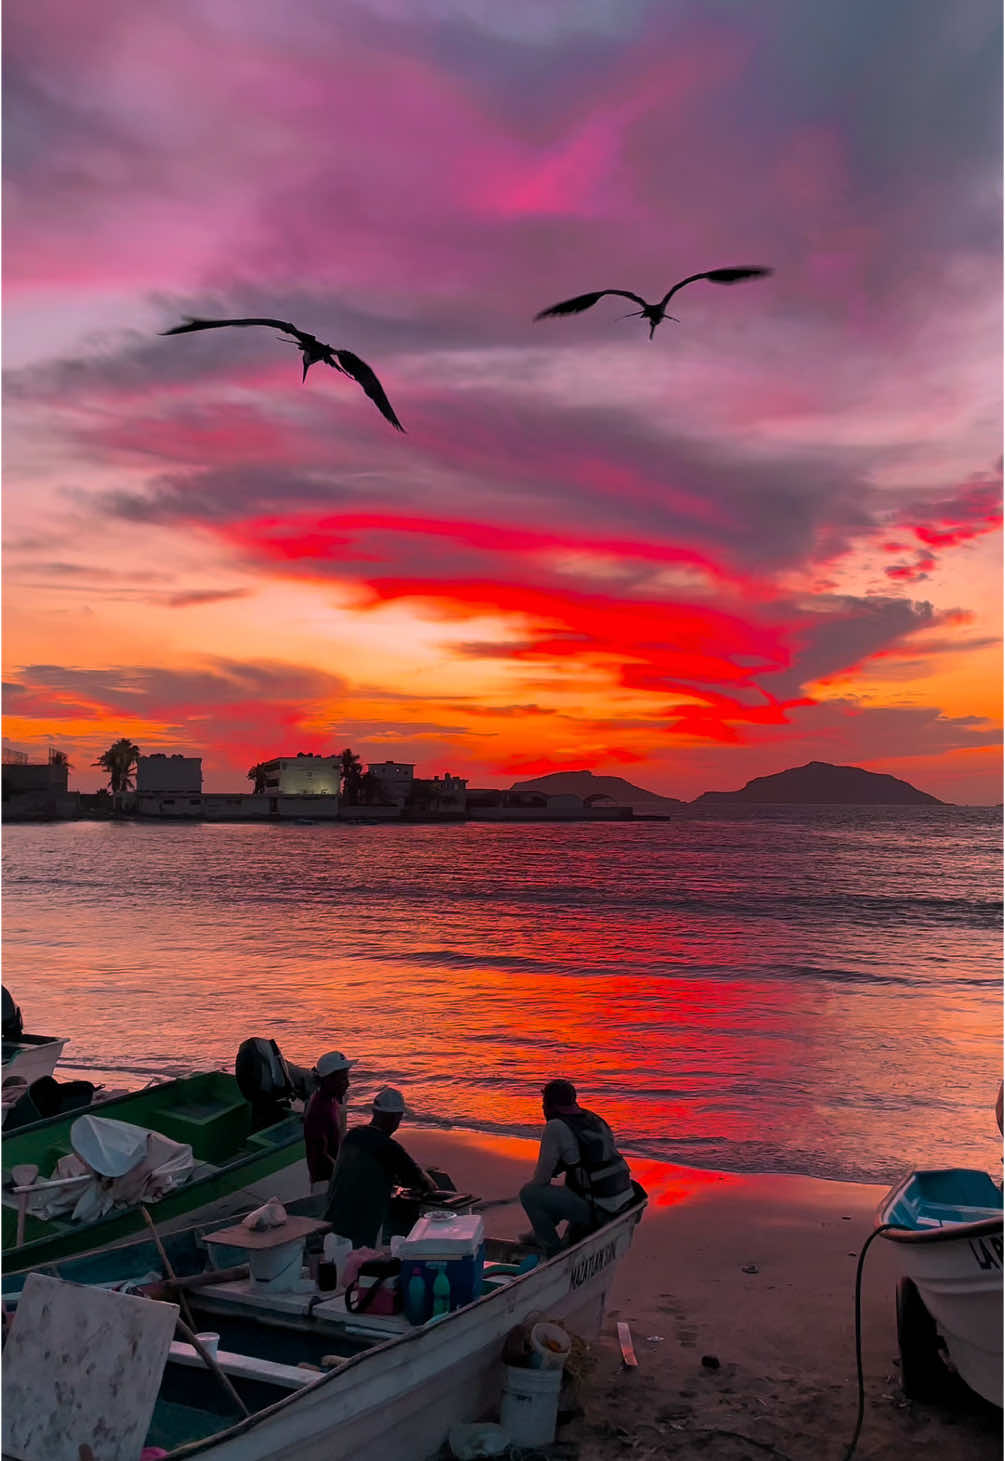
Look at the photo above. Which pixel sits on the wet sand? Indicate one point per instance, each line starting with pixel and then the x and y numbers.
pixel 783 1335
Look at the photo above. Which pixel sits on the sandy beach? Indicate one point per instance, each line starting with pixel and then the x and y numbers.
pixel 783 1335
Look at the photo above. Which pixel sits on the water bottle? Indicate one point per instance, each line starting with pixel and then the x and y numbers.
pixel 415 1299
pixel 441 1291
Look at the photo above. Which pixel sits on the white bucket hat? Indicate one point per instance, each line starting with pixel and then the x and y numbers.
pixel 390 1101
pixel 110 1148
pixel 332 1062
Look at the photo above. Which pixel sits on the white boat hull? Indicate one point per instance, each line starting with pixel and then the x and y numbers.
pixel 398 1400
pixel 960 1284
pixel 956 1267
pixel 32 1057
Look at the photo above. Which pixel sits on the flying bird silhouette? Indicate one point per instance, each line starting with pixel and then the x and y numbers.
pixel 654 313
pixel 314 352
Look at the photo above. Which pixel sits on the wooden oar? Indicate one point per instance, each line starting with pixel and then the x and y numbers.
pixel 188 1330
pixel 169 1272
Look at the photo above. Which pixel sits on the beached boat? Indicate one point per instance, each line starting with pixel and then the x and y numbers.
pixel 948 1228
pixel 26 1060
pixel 395 1389
pixel 205 1112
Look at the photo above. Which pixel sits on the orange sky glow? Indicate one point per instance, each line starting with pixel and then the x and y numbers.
pixel 770 535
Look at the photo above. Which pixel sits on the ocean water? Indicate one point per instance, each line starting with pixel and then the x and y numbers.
pixel 756 989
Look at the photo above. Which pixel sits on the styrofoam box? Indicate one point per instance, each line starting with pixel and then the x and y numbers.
pixel 450 1235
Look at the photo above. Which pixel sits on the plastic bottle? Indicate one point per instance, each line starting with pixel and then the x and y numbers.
pixel 441 1291
pixel 415 1299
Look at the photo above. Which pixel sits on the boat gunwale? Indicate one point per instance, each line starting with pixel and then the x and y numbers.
pixel 410 1336
pixel 949 1233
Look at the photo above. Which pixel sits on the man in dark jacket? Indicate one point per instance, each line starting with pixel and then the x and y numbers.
pixel 598 1183
pixel 370 1163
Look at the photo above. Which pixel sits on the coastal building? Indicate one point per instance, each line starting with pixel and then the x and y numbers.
pixel 395 780
pixel 160 773
pixel 488 804
pixel 438 796
pixel 168 786
pixel 37 790
pixel 301 775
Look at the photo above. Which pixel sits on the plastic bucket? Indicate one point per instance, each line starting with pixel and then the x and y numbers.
pixel 529 1406
pixel 210 1341
pixel 549 1346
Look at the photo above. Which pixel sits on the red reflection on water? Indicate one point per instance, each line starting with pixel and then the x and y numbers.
pixel 669 1186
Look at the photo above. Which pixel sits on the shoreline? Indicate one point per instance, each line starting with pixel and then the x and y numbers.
pixel 755 1270
pixel 783 1334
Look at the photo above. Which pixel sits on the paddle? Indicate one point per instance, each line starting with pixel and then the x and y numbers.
pixel 188 1330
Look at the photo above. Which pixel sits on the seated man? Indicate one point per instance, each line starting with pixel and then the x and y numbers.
pixel 370 1163
pixel 598 1183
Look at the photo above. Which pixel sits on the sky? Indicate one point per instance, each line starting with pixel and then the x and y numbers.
pixel 770 535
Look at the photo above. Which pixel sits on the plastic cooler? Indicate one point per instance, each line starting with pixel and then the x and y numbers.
pixel 448 1241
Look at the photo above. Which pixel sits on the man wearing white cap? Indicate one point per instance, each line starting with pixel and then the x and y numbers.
pixel 370 1163
pixel 324 1118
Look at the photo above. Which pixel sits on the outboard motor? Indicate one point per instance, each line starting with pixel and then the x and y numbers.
pixel 267 1082
pixel 13 1025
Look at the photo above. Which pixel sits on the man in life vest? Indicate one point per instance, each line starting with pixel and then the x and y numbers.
pixel 598 1183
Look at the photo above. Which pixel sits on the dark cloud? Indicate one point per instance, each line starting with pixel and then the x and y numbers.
pixel 195 597
pixel 149 691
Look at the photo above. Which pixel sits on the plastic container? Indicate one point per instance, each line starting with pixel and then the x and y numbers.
pixel 550 1347
pixel 529 1409
pixel 210 1342
pixel 443 1244
pixel 444 1235
pixel 336 1250
pixel 471 1442
pixel 441 1291
pixel 415 1299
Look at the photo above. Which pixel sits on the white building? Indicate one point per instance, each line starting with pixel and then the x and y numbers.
pixel 161 773
pixel 302 775
pixel 395 778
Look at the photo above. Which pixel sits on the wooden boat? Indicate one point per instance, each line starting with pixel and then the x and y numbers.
pixel 205 1111
pixel 948 1229
pixel 395 1389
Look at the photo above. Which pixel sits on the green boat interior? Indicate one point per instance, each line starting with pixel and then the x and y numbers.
pixel 206 1112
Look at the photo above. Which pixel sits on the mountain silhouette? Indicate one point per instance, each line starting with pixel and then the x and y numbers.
pixel 818 783
pixel 584 784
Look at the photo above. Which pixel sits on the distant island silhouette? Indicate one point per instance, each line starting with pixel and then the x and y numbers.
pixel 585 784
pixel 818 783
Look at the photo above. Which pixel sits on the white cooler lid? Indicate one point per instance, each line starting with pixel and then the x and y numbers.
pixel 444 1235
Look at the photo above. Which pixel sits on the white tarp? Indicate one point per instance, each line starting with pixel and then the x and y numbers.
pixel 127 1164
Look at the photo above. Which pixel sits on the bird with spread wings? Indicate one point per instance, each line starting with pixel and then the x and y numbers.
pixel 314 352
pixel 654 313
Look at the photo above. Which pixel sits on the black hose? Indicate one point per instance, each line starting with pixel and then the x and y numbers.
pixel 858 1339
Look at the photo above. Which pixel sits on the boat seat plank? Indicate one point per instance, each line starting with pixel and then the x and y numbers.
pixel 244 1366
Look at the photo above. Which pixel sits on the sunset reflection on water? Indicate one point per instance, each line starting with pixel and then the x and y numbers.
pixel 823 999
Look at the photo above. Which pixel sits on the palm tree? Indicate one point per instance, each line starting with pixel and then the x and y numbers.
pixel 370 790
pixel 120 762
pixel 352 777
pixel 257 775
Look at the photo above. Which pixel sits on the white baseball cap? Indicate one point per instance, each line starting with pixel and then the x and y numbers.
pixel 332 1062
pixel 389 1100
